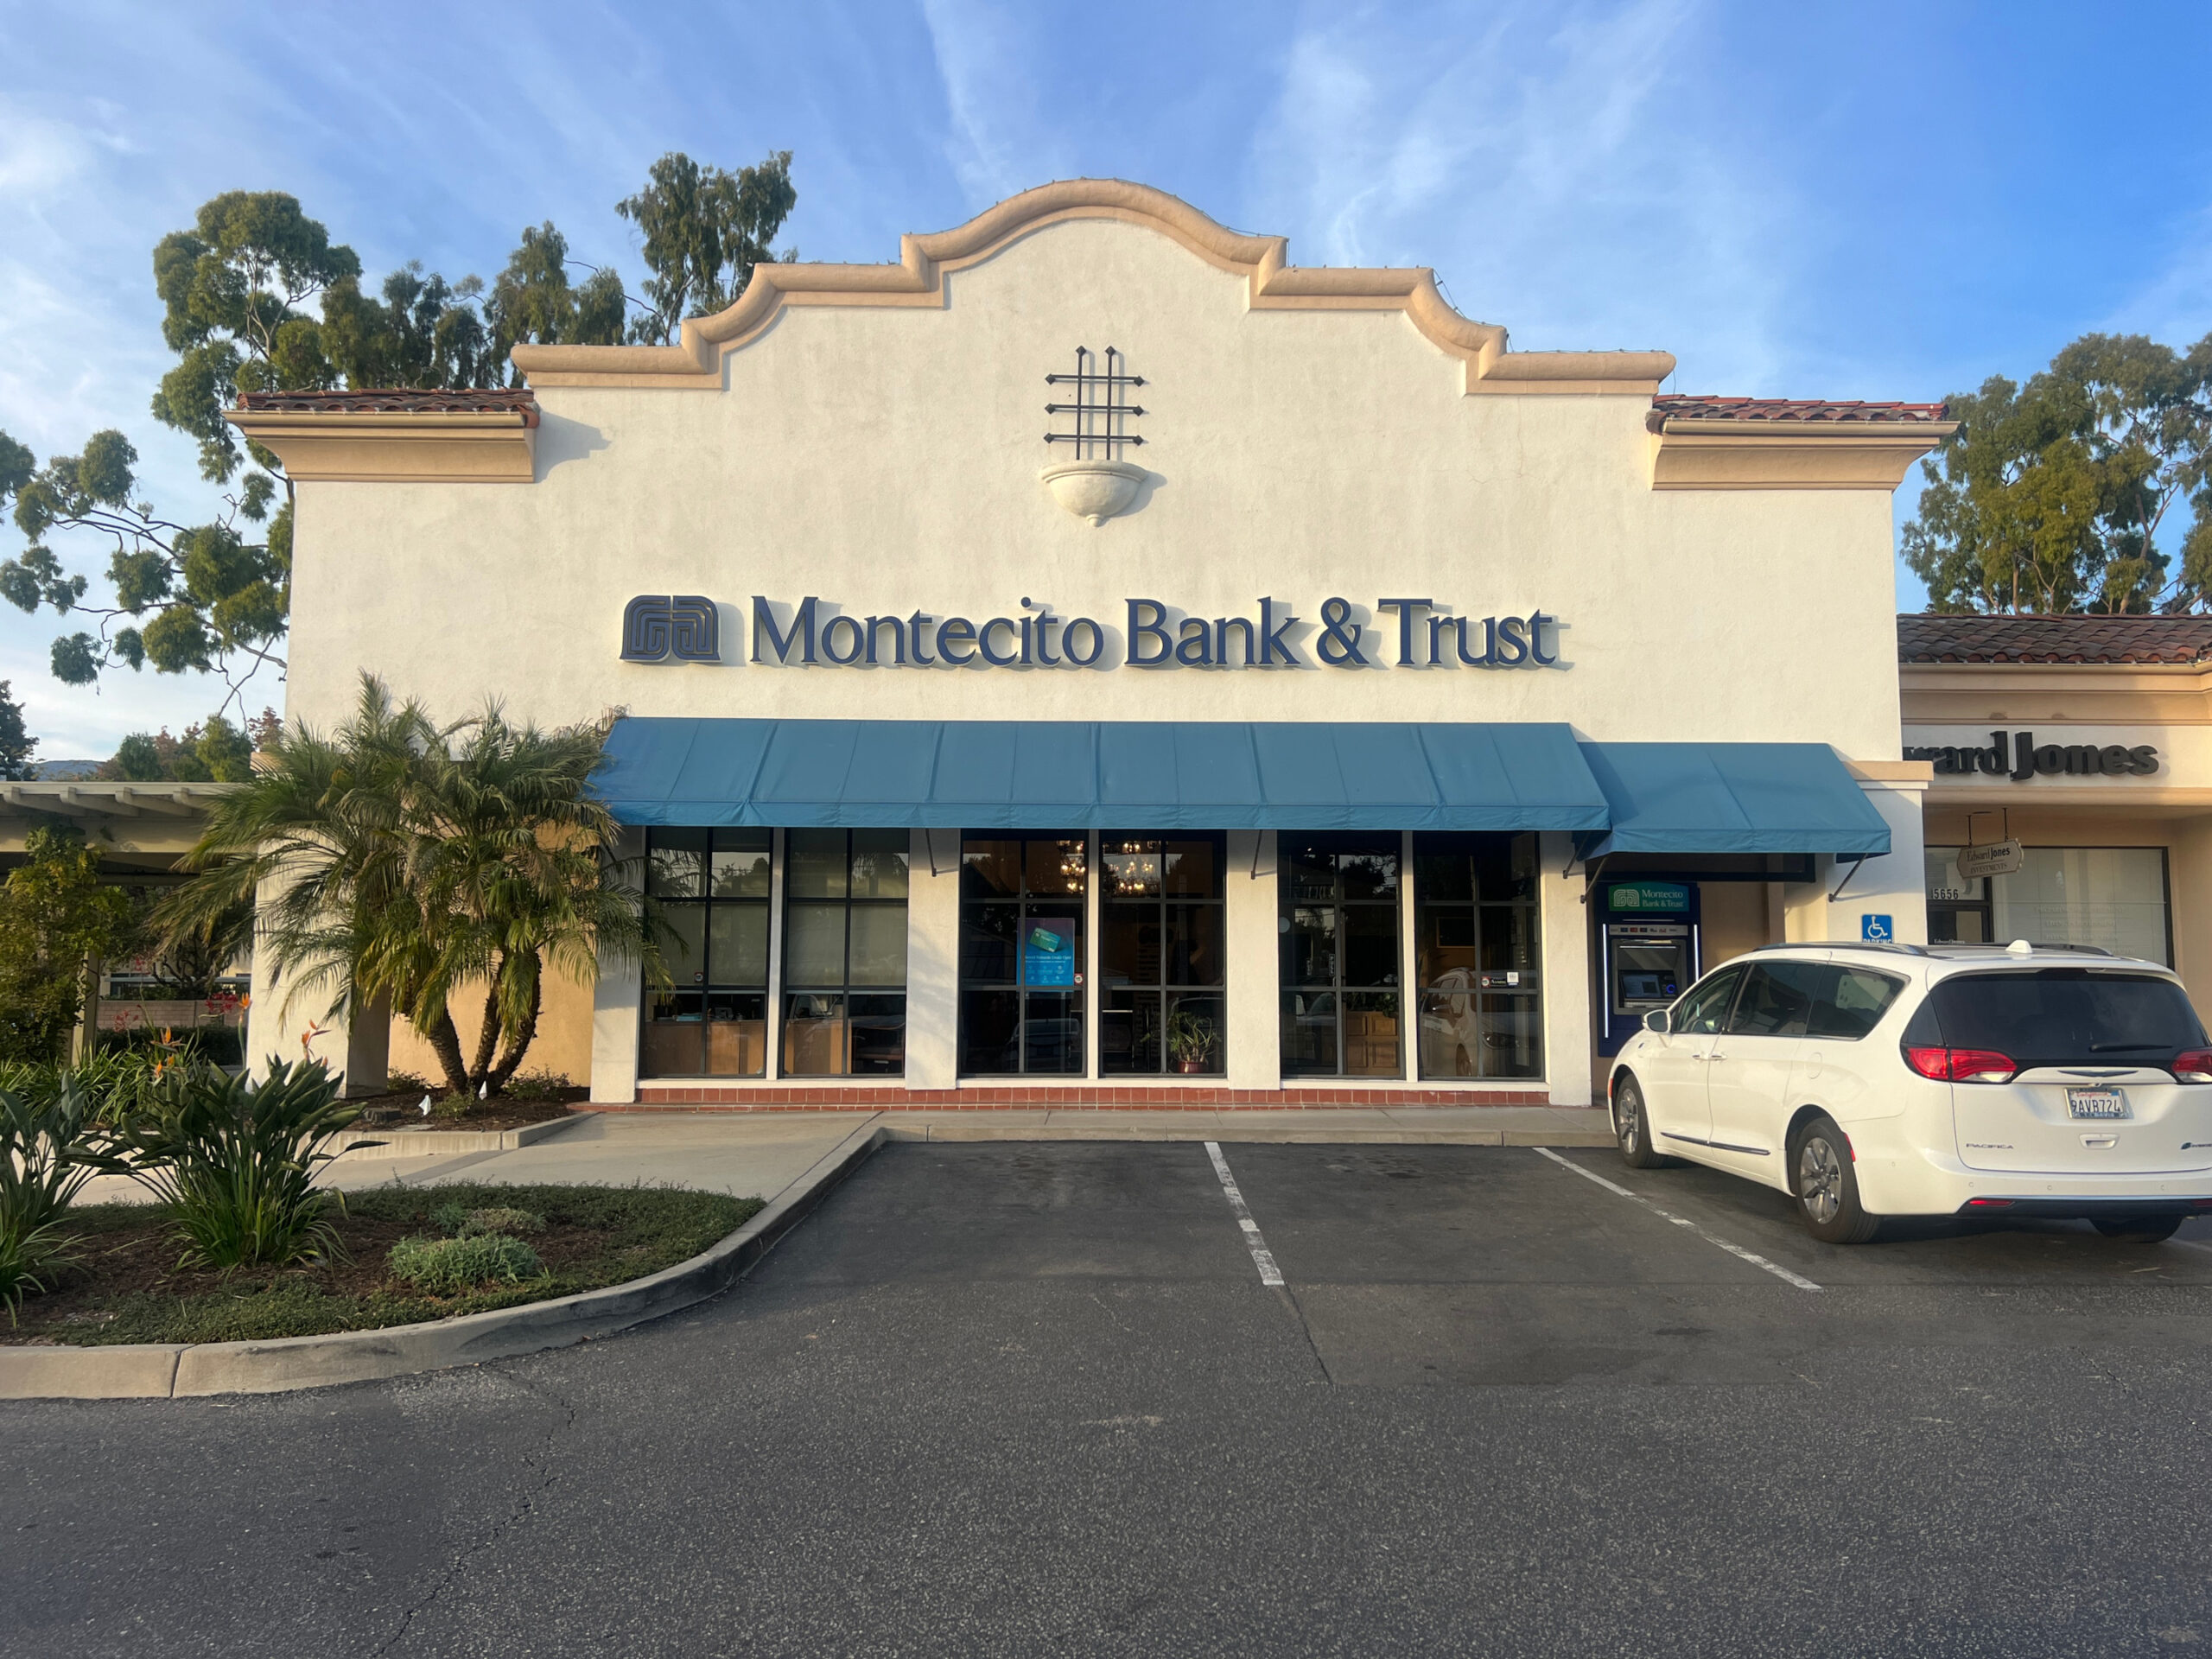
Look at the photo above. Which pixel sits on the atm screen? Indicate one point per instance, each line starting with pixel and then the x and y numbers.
pixel 1648 973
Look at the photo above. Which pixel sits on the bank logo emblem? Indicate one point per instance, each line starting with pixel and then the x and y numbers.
pixel 656 627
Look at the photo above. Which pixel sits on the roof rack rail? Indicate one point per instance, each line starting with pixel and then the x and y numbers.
pixel 1842 945
pixel 1900 948
pixel 2033 945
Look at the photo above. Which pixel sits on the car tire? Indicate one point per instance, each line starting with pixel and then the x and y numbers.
pixel 1825 1185
pixel 2141 1229
pixel 1632 1126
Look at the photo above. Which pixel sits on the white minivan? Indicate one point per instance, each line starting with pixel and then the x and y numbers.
pixel 1875 1080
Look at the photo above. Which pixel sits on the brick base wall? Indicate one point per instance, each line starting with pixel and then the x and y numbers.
pixel 1063 1097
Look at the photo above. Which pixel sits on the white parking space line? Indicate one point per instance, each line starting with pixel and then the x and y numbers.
pixel 1264 1258
pixel 1737 1250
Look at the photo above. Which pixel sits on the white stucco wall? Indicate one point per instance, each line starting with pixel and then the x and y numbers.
pixel 885 461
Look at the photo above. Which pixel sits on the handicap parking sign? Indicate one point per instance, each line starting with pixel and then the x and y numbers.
pixel 1875 930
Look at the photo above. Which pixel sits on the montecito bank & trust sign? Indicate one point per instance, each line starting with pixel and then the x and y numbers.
pixel 686 627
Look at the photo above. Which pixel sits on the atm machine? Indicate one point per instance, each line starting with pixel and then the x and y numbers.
pixel 1647 952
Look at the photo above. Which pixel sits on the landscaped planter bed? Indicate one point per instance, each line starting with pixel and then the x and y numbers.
pixel 127 1287
pixel 402 1111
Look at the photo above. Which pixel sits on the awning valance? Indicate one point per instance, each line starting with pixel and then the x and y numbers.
pixel 1732 798
pixel 1100 774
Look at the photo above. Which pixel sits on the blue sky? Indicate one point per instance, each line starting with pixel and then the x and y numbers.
pixel 1851 201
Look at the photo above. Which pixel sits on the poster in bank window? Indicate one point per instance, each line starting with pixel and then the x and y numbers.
pixel 1048 952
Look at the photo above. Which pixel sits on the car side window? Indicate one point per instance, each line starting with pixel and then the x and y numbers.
pixel 1707 1006
pixel 1855 1005
pixel 1776 998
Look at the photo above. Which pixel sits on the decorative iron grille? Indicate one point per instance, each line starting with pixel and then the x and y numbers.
pixel 1097 421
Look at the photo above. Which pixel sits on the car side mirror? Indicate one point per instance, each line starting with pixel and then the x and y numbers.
pixel 1656 1021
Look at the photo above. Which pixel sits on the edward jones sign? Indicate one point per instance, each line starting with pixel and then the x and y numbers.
pixel 2018 756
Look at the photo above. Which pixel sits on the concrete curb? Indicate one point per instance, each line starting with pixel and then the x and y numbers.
pixel 450 1143
pixel 168 1371
pixel 1229 1133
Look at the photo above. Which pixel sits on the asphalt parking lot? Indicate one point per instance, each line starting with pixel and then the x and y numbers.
pixel 1028 1399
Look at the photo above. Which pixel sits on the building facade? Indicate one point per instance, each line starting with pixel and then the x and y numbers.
pixel 2087 741
pixel 1091 659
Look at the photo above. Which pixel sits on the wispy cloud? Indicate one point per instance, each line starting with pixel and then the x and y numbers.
pixel 1535 162
pixel 990 66
pixel 2175 304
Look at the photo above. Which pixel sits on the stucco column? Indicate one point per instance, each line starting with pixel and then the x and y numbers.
pixel 1249 917
pixel 617 995
pixel 2188 888
pixel 286 1021
pixel 616 1015
pixel 1569 1036
pixel 933 960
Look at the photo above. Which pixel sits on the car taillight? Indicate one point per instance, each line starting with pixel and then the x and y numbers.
pixel 1963 1064
pixel 2193 1065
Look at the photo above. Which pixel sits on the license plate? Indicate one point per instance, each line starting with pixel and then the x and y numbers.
pixel 2096 1102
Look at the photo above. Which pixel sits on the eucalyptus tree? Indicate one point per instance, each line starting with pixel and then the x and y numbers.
pixel 240 292
pixel 400 860
pixel 703 231
pixel 2052 496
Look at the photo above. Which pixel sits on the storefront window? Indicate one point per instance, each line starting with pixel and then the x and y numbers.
pixel 710 886
pixel 2114 898
pixel 1338 932
pixel 844 953
pixel 1477 956
pixel 1160 955
pixel 1022 955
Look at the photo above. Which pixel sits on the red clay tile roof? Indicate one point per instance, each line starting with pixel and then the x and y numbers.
pixel 2055 638
pixel 1676 407
pixel 491 400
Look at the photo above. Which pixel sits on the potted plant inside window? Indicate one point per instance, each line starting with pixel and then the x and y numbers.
pixel 1190 1041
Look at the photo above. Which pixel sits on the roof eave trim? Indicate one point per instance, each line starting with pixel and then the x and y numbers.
pixel 1694 454
pixel 397 447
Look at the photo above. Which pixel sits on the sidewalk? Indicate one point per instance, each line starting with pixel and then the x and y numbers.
pixel 758 1154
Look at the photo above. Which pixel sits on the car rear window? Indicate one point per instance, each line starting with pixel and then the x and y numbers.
pixel 2068 1016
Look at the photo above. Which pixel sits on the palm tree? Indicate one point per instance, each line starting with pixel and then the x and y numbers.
pixel 397 858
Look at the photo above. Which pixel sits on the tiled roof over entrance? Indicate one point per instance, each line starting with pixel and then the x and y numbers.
pixel 2055 638
pixel 491 400
pixel 1676 407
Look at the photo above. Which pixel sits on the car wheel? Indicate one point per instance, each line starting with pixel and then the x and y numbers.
pixel 2140 1229
pixel 1826 1186
pixel 1632 1126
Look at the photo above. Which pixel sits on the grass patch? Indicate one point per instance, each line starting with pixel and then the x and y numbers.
pixel 126 1285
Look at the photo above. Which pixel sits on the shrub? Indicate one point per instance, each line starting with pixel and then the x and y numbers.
pixel 536 1086
pixel 500 1219
pixel 115 1083
pixel 44 1163
pixel 460 1221
pixel 409 1083
pixel 446 1266
pixel 216 1045
pixel 236 1164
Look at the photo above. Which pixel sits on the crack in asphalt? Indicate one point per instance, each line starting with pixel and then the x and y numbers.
pixel 523 1506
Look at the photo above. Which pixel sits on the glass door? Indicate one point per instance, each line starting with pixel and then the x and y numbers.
pixel 1338 930
pixel 1022 942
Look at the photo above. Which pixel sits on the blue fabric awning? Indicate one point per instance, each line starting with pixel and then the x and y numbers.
pixel 948 774
pixel 1732 798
